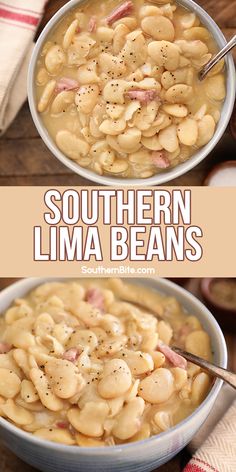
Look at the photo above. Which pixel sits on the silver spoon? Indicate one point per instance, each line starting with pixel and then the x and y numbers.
pixel 208 66
pixel 224 374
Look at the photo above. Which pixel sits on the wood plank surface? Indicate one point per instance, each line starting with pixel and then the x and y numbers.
pixel 10 463
pixel 25 160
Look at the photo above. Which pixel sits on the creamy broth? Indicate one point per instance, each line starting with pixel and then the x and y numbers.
pixel 90 363
pixel 122 98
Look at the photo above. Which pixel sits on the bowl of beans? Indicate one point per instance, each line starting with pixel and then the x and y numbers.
pixel 114 90
pixel 88 376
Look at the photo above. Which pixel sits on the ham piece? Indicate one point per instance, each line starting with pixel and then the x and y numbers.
pixel 65 83
pixel 160 159
pixel 143 96
pixel 4 348
pixel 95 297
pixel 119 12
pixel 171 356
pixel 92 25
pixel 71 354
pixel 62 424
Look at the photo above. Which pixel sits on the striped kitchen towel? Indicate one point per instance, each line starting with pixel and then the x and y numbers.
pixel 19 20
pixel 214 446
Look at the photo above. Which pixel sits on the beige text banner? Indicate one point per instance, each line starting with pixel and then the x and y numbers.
pixel 23 208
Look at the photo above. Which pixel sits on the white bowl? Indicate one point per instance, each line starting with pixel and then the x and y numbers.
pixel 166 175
pixel 142 456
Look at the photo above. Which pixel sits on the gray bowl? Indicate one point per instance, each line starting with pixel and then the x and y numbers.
pixel 141 456
pixel 166 175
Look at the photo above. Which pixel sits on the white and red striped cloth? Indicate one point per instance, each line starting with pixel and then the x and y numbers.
pixel 19 20
pixel 214 446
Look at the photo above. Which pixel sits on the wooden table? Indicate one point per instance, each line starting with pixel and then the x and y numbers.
pixel 10 463
pixel 25 160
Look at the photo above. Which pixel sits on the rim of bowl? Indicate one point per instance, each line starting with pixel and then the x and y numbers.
pixel 162 284
pixel 157 179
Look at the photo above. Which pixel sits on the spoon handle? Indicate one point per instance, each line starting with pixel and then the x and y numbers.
pixel 204 71
pixel 226 375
